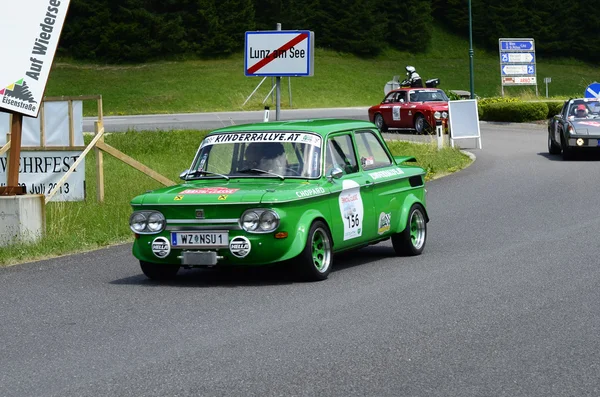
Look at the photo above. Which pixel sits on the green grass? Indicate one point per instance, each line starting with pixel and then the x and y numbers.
pixel 339 80
pixel 79 226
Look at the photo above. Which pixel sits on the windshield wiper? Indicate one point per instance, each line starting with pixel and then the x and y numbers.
pixel 202 173
pixel 259 171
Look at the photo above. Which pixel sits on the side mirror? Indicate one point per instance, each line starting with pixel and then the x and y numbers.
pixel 184 175
pixel 335 173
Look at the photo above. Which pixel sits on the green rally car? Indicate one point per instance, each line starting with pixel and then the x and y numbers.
pixel 291 191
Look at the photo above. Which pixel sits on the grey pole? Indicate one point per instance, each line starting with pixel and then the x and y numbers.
pixel 472 79
pixel 278 95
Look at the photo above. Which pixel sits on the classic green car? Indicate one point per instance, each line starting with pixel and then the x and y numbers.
pixel 293 191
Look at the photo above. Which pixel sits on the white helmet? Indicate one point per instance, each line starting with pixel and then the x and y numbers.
pixel 410 70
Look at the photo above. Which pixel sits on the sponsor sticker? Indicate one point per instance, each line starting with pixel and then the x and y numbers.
pixel 310 192
pixel 248 137
pixel 351 208
pixel 239 246
pixel 592 123
pixel 386 174
pixel 161 248
pixel 210 190
pixel 385 223
pixel 396 113
pixel 178 198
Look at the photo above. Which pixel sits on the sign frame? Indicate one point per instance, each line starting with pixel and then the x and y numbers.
pixel 272 39
pixel 464 120
pixel 512 51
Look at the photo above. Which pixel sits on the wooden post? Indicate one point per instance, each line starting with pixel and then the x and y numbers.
pixel 99 166
pixel 15 151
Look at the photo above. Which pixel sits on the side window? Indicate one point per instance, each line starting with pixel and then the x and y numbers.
pixel 564 109
pixel 389 98
pixel 340 153
pixel 401 96
pixel 371 152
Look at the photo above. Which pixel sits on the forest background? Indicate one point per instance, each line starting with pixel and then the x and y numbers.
pixel 135 31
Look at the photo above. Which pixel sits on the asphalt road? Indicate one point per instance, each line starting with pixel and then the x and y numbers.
pixel 208 121
pixel 503 302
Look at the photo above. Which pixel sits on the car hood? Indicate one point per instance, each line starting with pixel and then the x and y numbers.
pixel 586 127
pixel 233 191
pixel 441 106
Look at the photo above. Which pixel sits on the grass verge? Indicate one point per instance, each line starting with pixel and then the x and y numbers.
pixel 80 226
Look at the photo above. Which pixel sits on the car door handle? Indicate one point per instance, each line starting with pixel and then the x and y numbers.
pixel 368 184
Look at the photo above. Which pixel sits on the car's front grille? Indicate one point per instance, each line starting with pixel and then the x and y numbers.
pixel 203 224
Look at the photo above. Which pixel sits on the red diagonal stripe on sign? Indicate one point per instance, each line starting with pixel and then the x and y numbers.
pixel 271 57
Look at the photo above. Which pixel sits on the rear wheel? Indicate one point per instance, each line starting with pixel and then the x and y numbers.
pixel 380 122
pixel 314 262
pixel 157 271
pixel 411 241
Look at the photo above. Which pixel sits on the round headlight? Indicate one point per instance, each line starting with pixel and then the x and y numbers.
pixel 444 115
pixel 437 115
pixel 156 221
pixel 268 221
pixel 250 221
pixel 137 222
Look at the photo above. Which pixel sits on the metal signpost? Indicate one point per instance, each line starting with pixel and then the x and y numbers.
pixel 279 53
pixel 547 80
pixel 517 63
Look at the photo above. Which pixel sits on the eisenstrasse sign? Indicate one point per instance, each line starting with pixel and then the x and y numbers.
pixel 29 33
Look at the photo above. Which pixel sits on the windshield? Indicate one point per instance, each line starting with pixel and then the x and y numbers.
pixel 584 109
pixel 258 154
pixel 428 96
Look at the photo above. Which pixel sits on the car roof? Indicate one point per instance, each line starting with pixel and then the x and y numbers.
pixel 415 88
pixel 318 126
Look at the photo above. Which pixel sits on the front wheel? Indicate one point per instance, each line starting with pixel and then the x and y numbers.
pixel 568 153
pixel 156 271
pixel 553 147
pixel 380 122
pixel 314 262
pixel 411 241
pixel 421 126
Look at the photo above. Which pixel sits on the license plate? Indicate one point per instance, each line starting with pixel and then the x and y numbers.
pixel 200 239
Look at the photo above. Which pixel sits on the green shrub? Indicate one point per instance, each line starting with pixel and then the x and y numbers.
pixel 516 112
pixel 554 108
pixel 496 99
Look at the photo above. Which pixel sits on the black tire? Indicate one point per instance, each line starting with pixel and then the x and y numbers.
pixel 157 271
pixel 380 122
pixel 421 126
pixel 553 147
pixel 568 153
pixel 411 241
pixel 315 261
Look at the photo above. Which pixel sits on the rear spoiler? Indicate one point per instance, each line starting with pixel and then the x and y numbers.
pixel 404 159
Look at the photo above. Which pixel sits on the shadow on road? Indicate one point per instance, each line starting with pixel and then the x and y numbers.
pixel 279 274
pixel 584 155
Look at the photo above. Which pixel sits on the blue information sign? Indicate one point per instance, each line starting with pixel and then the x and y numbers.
pixel 516 45
pixel 592 91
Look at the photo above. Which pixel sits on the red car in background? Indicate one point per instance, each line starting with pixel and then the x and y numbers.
pixel 411 108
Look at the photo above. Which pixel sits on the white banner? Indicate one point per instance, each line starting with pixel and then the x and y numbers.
pixel 39 172
pixel 29 30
